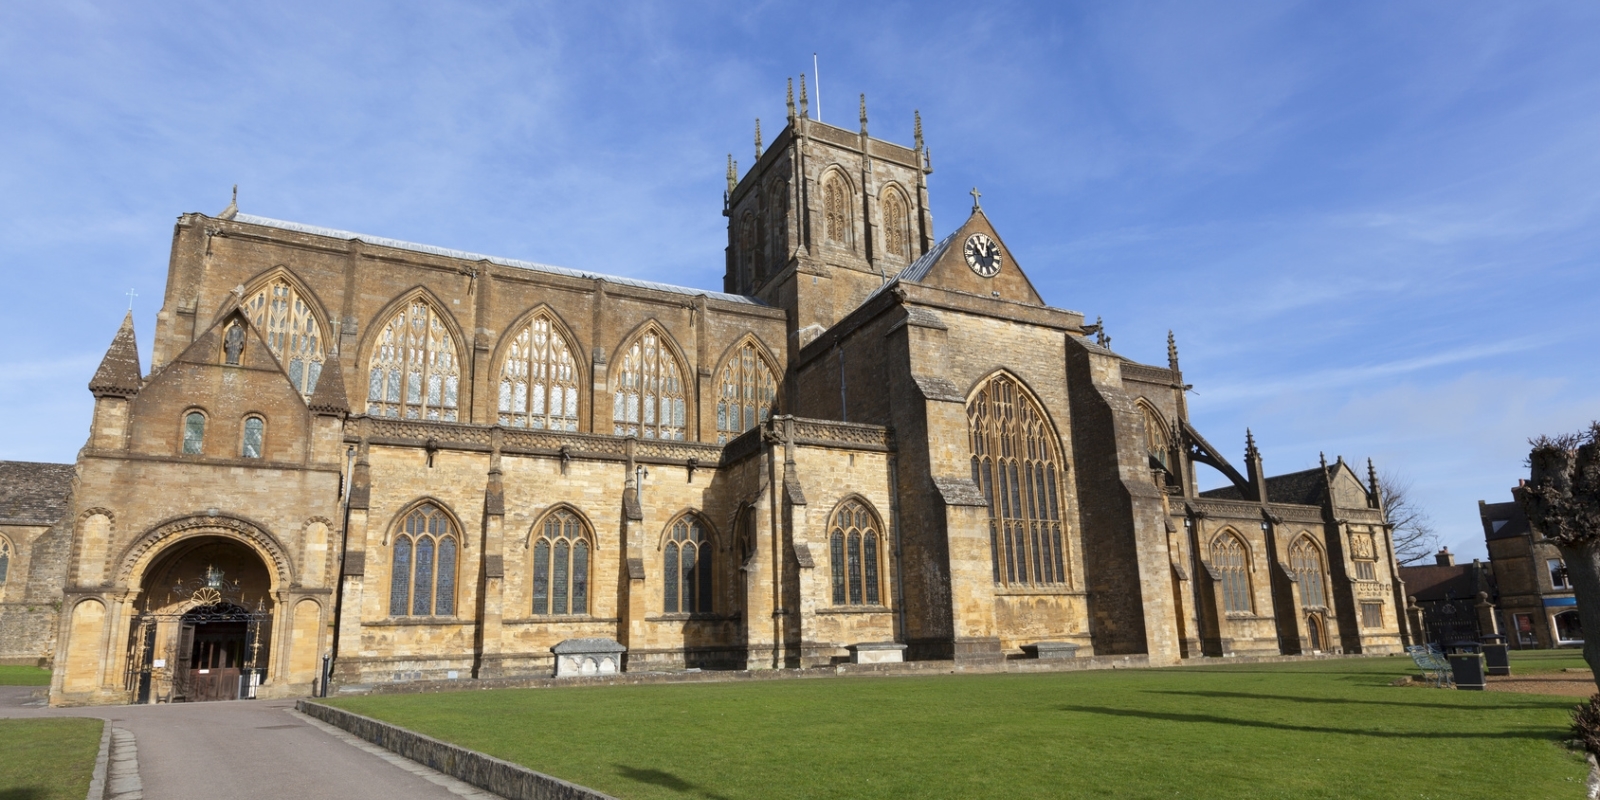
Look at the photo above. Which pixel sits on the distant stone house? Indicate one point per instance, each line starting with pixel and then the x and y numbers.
pixel 1536 605
pixel 1451 602
pixel 362 460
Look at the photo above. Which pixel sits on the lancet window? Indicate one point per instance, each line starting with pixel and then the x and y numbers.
pixel 414 372
pixel 650 400
pixel 853 543
pixel 747 393
pixel 255 433
pixel 686 568
pixel 539 380
pixel 561 550
pixel 836 209
pixel 423 580
pixel 778 212
pixel 1306 561
pixel 1015 461
pixel 5 559
pixel 1231 561
pixel 291 330
pixel 896 225
pixel 194 433
pixel 1155 438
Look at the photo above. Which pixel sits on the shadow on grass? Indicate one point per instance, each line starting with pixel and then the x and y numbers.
pixel 24 793
pixel 654 777
pixel 1343 701
pixel 1279 726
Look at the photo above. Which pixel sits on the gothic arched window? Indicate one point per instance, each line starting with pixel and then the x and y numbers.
pixel 686 568
pixel 836 210
pixel 747 393
pixel 1156 441
pixel 414 372
pixel 1231 561
pixel 539 379
pixel 778 212
pixel 650 400
pixel 423 580
pixel 1014 460
pixel 896 225
pixel 853 542
pixel 1306 561
pixel 747 246
pixel 5 559
pixel 255 434
pixel 194 433
pixel 291 330
pixel 561 549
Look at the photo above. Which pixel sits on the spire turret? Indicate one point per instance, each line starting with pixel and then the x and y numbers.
pixel 733 173
pixel 1172 352
pixel 789 100
pixel 805 104
pixel 758 138
pixel 863 114
pixel 119 374
pixel 916 133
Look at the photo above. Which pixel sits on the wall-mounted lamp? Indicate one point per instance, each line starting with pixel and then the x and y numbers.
pixel 640 474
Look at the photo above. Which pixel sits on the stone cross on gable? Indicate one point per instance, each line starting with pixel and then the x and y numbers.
pixel 975 195
pixel 131 294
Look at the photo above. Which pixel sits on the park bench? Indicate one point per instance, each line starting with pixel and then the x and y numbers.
pixel 1430 659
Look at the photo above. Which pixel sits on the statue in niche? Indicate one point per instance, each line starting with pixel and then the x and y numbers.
pixel 233 343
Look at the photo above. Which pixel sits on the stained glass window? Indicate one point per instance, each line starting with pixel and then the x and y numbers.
pixel 1230 559
pixel 423 582
pixel 896 225
pixel 686 568
pixel 414 371
pixel 291 330
pixel 254 431
pixel 1306 561
pixel 1014 463
pixel 650 400
pixel 747 393
pixel 194 433
pixel 561 565
pixel 539 379
pixel 5 559
pixel 853 554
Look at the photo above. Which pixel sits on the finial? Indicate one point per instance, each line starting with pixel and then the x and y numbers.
pixel 758 138
pixel 789 99
pixel 1372 479
pixel 1250 444
pixel 917 131
pixel 805 104
pixel 863 112
pixel 1323 457
pixel 733 173
pixel 1100 337
pixel 1172 352
pixel 975 195
pixel 233 205
pixel 131 294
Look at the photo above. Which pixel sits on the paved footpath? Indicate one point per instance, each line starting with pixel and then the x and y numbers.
pixel 245 750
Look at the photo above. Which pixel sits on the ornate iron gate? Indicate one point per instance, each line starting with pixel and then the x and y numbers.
pixel 172 672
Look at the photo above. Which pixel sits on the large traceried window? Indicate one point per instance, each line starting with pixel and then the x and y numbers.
pixel 279 312
pixel 414 372
pixel 561 549
pixel 853 543
pixel 686 568
pixel 194 433
pixel 1014 460
pixel 836 210
pixel 650 400
pixel 1306 561
pixel 747 393
pixel 1231 561
pixel 423 580
pixel 539 380
pixel 896 225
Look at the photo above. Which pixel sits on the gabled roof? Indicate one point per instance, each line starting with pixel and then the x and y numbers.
pixel 504 262
pixel 1439 582
pixel 119 374
pixel 1306 488
pixel 944 266
pixel 1503 521
pixel 34 493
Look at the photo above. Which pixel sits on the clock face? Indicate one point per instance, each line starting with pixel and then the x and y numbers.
pixel 983 255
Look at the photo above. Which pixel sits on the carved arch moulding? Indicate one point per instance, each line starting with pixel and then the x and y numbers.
pixel 139 554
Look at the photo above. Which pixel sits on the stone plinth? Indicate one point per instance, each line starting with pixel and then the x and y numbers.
pixel 1051 650
pixel 588 657
pixel 877 653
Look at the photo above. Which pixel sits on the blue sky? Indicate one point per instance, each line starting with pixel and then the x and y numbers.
pixel 1374 227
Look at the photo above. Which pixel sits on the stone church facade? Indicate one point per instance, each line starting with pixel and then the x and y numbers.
pixel 365 461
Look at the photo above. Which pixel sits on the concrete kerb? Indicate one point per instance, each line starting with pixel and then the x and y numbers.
pixel 97 784
pixel 491 774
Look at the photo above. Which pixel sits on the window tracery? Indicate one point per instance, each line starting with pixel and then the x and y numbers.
pixel 1156 441
pixel 778 211
pixel 561 565
pixel 1231 561
pixel 1306 561
pixel 1015 462
pixel 194 433
pixel 896 225
pixel 747 393
pixel 686 568
pixel 291 331
pixel 423 579
pixel 836 210
pixel 255 431
pixel 853 553
pixel 5 559
pixel 539 379
pixel 650 400
pixel 413 371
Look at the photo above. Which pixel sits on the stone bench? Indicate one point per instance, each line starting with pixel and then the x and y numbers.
pixel 1051 650
pixel 597 656
pixel 877 652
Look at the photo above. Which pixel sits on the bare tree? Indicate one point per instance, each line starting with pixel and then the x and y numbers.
pixel 1415 538
pixel 1562 501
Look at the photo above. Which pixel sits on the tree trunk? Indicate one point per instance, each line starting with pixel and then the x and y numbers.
pixel 1583 571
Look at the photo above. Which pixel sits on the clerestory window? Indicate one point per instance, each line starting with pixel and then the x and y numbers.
pixel 650 400
pixel 291 331
pixel 746 395
pixel 414 371
pixel 539 379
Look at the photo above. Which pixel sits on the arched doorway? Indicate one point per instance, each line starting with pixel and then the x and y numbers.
pixel 202 628
pixel 1315 635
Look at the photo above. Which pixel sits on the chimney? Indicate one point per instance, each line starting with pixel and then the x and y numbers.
pixel 1444 558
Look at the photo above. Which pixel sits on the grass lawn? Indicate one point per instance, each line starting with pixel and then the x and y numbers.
pixel 1530 662
pixel 1324 729
pixel 47 759
pixel 23 676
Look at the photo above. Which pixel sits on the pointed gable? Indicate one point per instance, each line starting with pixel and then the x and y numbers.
pixel 946 266
pixel 329 396
pixel 119 374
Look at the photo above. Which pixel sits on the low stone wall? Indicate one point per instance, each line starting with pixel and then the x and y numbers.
pixel 504 778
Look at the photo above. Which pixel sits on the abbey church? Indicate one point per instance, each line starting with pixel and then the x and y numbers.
pixel 357 461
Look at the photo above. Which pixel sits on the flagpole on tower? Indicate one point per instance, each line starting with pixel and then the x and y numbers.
pixel 816 75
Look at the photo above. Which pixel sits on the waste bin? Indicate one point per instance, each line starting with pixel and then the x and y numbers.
pixel 1466 664
pixel 1496 656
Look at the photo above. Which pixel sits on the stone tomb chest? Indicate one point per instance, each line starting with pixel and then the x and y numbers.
pixel 595 656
